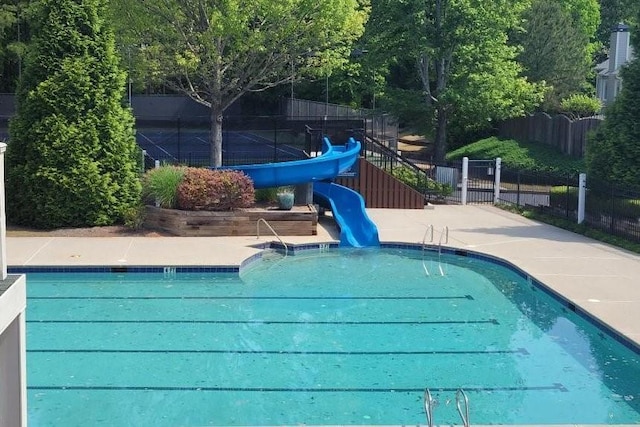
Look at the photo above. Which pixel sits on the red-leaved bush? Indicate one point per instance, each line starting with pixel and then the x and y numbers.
pixel 214 190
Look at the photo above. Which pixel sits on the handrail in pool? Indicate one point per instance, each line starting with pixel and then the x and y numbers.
pixel 461 396
pixel 428 407
pixel 286 249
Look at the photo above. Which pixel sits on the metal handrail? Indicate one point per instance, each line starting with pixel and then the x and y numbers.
pixel 465 399
pixel 286 248
pixel 445 232
pixel 424 240
pixel 428 407
pixel 430 231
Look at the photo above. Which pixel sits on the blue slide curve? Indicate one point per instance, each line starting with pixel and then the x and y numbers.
pixel 356 228
pixel 333 161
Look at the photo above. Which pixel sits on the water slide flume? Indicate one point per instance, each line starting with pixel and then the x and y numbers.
pixel 356 228
pixel 333 161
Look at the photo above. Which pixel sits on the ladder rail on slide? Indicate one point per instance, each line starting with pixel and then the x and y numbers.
pixel 264 221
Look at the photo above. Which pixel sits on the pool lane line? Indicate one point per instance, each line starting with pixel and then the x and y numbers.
pixel 468 297
pixel 281 322
pixel 287 352
pixel 555 386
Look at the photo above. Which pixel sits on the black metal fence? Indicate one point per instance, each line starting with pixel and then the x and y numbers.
pixel 245 139
pixel 613 208
pixel 609 207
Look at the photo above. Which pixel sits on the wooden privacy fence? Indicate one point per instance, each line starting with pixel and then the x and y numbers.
pixel 569 136
pixel 382 190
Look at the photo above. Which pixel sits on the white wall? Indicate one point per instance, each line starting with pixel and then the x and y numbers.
pixel 13 384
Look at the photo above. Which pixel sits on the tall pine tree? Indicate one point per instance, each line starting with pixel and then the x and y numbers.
pixel 71 157
pixel 613 151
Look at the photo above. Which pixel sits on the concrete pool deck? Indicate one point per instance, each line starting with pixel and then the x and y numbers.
pixel 599 279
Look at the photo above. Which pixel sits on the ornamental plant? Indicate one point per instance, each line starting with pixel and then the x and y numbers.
pixel 214 190
pixel 580 105
pixel 160 186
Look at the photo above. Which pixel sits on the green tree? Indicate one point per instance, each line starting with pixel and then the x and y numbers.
pixel 613 12
pixel 466 69
pixel 215 52
pixel 554 51
pixel 13 37
pixel 613 151
pixel 71 158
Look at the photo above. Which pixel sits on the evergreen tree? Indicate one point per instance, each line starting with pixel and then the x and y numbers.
pixel 71 157
pixel 553 52
pixel 613 151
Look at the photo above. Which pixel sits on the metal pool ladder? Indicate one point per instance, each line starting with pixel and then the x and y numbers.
pixel 264 221
pixel 444 234
pixel 461 397
pixel 428 407
pixel 424 240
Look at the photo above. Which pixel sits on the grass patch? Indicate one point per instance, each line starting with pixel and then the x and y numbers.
pixel 536 157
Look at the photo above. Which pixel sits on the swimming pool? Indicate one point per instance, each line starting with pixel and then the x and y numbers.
pixel 321 337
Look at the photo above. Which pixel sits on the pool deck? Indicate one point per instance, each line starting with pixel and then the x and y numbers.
pixel 599 279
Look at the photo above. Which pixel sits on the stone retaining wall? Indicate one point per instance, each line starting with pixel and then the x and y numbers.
pixel 299 221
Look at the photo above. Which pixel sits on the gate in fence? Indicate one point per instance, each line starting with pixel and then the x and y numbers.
pixel 472 181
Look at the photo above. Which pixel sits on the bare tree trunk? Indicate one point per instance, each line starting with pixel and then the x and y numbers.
pixel 215 136
pixel 441 134
pixel 441 111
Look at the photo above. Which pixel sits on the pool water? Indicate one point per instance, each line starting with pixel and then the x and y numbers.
pixel 338 337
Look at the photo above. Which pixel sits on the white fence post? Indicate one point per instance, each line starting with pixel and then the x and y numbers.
pixel 465 180
pixel 582 196
pixel 496 184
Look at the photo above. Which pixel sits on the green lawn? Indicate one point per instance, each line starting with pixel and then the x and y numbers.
pixel 530 156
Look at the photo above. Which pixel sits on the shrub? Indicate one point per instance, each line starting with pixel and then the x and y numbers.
pixel 134 217
pixel 215 190
pixel 579 105
pixel 160 185
pixel 72 156
pixel 266 195
pixel 420 181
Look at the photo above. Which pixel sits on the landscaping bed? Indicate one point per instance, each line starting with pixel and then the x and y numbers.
pixel 299 221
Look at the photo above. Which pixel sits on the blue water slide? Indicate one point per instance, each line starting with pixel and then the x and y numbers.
pixel 333 161
pixel 356 228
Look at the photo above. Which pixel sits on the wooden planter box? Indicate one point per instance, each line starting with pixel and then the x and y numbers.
pixel 299 221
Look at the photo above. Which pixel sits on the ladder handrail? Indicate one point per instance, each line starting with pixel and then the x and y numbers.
pixel 445 233
pixel 428 407
pixel 465 415
pixel 286 249
pixel 424 240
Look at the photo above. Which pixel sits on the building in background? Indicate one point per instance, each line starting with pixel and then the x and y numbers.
pixel 608 81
